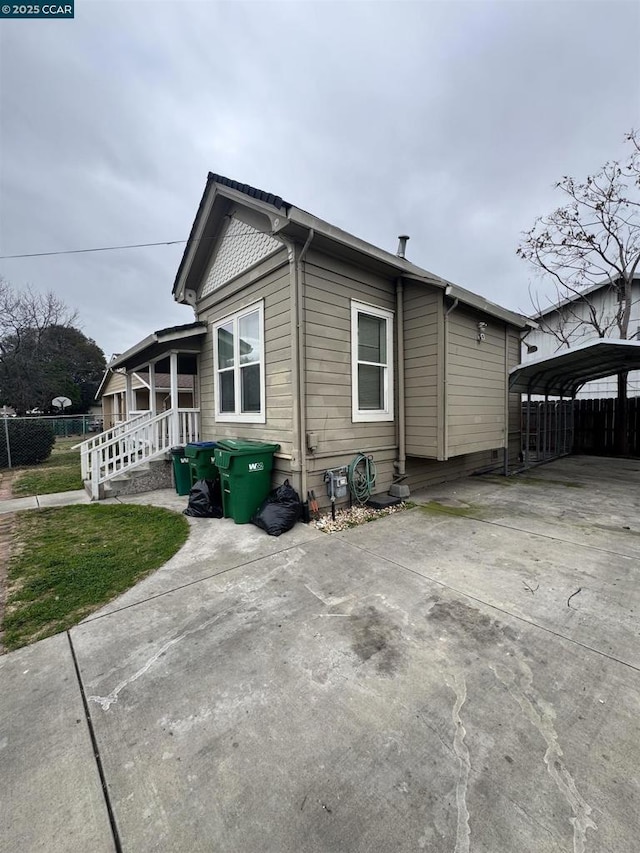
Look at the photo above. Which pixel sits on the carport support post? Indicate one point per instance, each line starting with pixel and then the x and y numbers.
pixel 547 424
pixel 527 429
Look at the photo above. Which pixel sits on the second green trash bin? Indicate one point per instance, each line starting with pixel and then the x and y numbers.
pixel 245 475
pixel 202 462
pixel 181 470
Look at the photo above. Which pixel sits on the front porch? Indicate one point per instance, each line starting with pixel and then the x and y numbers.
pixel 156 409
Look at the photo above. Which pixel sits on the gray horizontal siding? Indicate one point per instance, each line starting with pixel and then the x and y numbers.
pixel 476 384
pixel 273 288
pixel 421 369
pixel 330 286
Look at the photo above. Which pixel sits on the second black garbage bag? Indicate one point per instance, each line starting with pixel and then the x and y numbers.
pixel 279 511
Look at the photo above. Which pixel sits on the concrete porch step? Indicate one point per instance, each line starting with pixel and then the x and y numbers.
pixel 149 475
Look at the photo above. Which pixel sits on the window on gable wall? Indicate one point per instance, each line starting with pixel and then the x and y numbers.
pixel 371 363
pixel 238 356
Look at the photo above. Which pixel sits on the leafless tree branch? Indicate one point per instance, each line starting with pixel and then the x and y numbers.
pixel 594 238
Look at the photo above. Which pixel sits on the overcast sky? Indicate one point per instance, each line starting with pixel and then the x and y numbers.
pixel 447 121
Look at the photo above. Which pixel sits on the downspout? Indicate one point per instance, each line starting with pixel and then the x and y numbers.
pixel 295 373
pixel 402 438
pixel 302 364
pixel 299 413
pixel 445 398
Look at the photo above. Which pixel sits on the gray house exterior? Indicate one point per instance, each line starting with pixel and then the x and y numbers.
pixel 312 338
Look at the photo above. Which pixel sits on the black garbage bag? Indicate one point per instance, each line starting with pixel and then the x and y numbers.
pixel 279 511
pixel 205 500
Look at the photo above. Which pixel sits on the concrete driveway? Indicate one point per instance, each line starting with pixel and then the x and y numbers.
pixel 464 676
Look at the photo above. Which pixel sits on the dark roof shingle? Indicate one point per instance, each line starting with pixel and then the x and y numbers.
pixel 261 195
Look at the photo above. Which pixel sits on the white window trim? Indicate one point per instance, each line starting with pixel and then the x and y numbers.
pixel 369 415
pixel 240 417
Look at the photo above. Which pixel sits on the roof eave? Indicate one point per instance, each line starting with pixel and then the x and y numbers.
pixel 287 217
pixel 155 338
pixel 404 268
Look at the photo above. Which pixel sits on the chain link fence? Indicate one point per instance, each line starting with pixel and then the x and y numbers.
pixel 21 438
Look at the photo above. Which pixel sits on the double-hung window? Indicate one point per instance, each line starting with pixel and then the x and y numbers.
pixel 238 357
pixel 371 363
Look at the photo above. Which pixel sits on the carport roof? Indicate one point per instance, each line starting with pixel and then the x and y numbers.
pixel 564 373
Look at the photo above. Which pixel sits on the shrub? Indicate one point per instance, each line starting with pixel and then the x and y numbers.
pixel 30 442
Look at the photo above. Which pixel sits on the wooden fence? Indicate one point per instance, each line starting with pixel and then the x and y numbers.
pixel 594 426
pixel 551 429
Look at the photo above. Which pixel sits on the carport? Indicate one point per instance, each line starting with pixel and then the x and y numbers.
pixel 548 429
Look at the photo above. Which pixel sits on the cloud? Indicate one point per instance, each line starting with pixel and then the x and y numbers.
pixel 449 122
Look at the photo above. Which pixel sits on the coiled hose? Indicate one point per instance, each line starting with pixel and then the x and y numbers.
pixel 362 477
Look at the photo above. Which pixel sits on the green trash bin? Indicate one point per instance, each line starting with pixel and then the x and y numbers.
pixel 245 475
pixel 181 471
pixel 202 463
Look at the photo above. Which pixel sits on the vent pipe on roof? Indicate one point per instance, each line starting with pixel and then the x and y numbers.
pixel 402 245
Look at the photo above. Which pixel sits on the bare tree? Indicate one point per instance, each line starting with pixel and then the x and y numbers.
pixel 26 309
pixel 591 242
pixel 593 239
pixel 567 319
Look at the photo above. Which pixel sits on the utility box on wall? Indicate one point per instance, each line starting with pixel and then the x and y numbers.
pixel 336 483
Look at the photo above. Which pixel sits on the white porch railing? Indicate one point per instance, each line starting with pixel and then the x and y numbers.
pixel 134 442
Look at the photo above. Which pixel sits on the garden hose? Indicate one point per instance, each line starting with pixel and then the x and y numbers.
pixel 362 477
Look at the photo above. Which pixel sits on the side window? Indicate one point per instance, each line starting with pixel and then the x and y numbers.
pixel 238 358
pixel 371 363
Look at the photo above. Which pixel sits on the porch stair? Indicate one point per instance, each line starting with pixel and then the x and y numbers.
pixel 134 457
pixel 150 475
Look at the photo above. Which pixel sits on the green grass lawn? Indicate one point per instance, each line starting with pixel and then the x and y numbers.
pixel 59 473
pixel 71 560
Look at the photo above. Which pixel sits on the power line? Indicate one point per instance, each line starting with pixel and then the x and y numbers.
pixel 130 246
pixel 98 249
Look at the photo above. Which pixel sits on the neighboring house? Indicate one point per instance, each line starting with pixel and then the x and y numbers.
pixel 564 325
pixel 112 394
pixel 312 338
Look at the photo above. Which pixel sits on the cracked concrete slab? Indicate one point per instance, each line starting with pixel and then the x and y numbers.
pixel 333 701
pixel 528 576
pixel 214 546
pixel 424 682
pixel 51 791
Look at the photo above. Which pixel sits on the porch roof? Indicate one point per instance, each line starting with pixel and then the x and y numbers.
pixel 185 339
pixel 564 373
